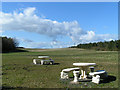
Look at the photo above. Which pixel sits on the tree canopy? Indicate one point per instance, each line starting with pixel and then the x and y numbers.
pixel 8 44
pixel 104 46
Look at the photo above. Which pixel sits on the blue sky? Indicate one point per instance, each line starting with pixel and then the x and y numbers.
pixel 62 24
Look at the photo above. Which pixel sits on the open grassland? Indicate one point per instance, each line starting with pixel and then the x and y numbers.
pixel 18 70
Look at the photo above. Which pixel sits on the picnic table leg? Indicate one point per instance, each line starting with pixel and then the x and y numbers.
pixel 34 61
pixel 76 76
pixel 83 73
pixel 42 62
pixel 81 76
pixel 96 79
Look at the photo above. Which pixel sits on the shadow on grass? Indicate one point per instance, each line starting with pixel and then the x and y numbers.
pixel 9 87
pixel 52 64
pixel 18 50
pixel 47 64
pixel 108 79
pixel 56 64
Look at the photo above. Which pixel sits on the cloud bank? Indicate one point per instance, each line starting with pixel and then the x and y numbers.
pixel 28 21
pixel 51 44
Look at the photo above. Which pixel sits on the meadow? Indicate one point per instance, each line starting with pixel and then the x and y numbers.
pixel 19 72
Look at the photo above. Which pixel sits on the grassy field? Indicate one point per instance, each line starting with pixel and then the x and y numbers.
pixel 19 72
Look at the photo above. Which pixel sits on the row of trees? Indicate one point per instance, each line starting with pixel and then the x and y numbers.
pixel 8 44
pixel 110 46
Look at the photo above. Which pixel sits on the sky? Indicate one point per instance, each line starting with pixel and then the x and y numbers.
pixel 59 24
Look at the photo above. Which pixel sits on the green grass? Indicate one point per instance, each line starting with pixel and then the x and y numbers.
pixel 18 70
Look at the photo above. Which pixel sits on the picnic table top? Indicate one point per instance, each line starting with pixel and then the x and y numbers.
pixel 43 57
pixel 84 64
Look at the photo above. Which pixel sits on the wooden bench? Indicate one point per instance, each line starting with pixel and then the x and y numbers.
pixel 64 73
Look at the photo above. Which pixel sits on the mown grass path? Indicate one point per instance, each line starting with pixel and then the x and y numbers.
pixel 18 70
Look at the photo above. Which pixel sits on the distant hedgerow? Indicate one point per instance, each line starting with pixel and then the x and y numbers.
pixel 106 45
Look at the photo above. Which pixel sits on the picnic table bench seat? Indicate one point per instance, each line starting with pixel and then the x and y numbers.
pixel 101 73
pixel 50 61
pixel 96 76
pixel 64 73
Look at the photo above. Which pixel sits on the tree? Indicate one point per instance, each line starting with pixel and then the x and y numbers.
pixel 8 44
pixel 111 45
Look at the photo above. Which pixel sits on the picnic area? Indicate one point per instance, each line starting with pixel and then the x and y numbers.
pixel 18 70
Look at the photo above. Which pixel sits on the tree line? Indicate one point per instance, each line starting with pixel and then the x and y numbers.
pixel 8 44
pixel 104 46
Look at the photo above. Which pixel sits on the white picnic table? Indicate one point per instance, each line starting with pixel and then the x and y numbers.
pixel 84 67
pixel 43 57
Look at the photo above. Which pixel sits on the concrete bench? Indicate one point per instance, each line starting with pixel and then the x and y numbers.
pixel 64 73
pixel 42 62
pixel 101 73
pixel 96 76
pixel 49 61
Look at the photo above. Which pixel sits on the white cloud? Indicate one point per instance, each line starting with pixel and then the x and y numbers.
pixel 53 44
pixel 23 40
pixel 47 44
pixel 1 32
pixel 30 22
